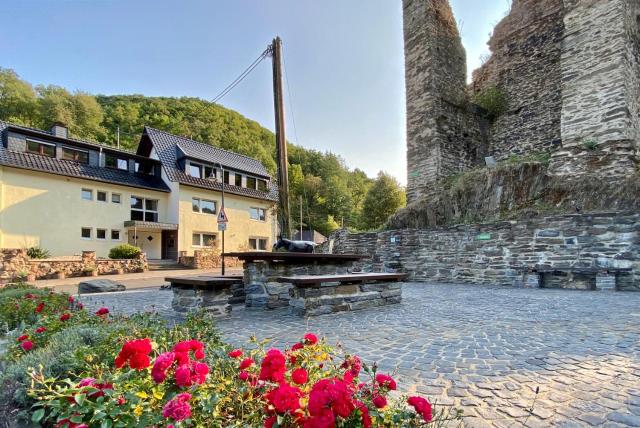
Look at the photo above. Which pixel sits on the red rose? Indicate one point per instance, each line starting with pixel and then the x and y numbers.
pixel 273 366
pixel 121 401
pixel 284 398
pixel 23 338
pixel 386 381
pixel 199 372
pixel 270 422
pixel 183 376
pixel 40 330
pixel 160 366
pixel 422 406
pixel 379 401
pixel 300 376
pixel 236 353
pixel 246 363
pixel 136 353
pixel 332 394
pixel 178 408
pixel 39 308
pixel 243 376
pixel 80 306
pixel 71 299
pixel 102 311
pixel 364 411
pixel 65 316
pixel 297 346
pixel 310 339
pixel 27 345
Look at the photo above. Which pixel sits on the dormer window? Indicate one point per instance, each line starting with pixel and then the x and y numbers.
pixel 81 156
pixel 111 161
pixel 210 172
pixel 195 170
pixel 251 182
pixel 40 148
pixel 262 185
pixel 238 179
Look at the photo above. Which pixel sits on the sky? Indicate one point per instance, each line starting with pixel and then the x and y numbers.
pixel 343 60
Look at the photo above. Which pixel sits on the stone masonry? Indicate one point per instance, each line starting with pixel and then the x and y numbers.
pixel 501 253
pixel 569 70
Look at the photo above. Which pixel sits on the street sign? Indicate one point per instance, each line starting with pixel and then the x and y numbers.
pixel 222 216
pixel 222 227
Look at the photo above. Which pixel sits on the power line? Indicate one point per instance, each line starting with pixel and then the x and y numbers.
pixel 241 77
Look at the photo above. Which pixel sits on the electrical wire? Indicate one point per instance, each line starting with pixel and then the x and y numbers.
pixel 242 76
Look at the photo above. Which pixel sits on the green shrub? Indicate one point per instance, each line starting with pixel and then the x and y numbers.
pixel 18 306
pixel 591 145
pixel 124 251
pixel 493 100
pixel 38 253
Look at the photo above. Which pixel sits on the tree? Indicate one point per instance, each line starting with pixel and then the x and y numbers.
pixel 384 198
pixel 18 100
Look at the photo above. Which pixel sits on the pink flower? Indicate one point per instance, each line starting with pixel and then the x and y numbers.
pixel 310 339
pixel 246 363
pixel 161 365
pixel 300 376
pixel 183 376
pixel 243 376
pixel 236 353
pixel 27 345
pixel 178 408
pixel 71 299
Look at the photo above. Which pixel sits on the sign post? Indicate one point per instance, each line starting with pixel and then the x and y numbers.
pixel 222 219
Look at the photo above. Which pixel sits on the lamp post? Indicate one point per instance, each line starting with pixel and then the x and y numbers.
pixel 222 208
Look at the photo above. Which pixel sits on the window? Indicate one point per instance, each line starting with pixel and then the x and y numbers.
pixel 115 198
pixel 238 180
pixel 258 214
pixel 101 233
pixel 85 233
pixel 251 182
pixel 144 209
pixel 40 148
pixel 143 168
pixel 262 185
pixel 226 177
pixel 75 155
pixel 115 235
pixel 111 161
pixel 195 170
pixel 203 240
pixel 210 172
pixel 101 196
pixel 87 194
pixel 203 206
pixel 259 244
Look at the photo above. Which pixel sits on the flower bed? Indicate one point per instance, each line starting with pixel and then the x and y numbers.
pixel 136 372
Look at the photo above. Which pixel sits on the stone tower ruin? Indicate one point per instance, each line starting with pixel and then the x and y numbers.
pixel 569 72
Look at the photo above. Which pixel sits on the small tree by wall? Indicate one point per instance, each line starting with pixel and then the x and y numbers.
pixel 384 198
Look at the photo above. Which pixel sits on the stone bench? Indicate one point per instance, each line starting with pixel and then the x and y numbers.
pixel 325 294
pixel 577 278
pixel 211 293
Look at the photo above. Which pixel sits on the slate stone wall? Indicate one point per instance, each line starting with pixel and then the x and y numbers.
pixel 499 253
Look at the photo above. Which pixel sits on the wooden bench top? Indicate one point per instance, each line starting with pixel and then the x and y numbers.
pixel 350 278
pixel 579 270
pixel 204 280
pixel 293 257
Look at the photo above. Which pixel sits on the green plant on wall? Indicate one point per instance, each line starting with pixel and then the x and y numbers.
pixel 493 100
pixel 591 144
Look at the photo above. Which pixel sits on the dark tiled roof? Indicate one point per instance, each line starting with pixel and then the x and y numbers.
pixel 75 169
pixel 49 135
pixel 166 146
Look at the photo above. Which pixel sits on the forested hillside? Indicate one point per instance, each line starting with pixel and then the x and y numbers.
pixel 331 192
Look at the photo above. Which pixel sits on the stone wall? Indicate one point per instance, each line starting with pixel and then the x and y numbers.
pixel 570 74
pixel 443 137
pixel 15 263
pixel 500 253
pixel 206 259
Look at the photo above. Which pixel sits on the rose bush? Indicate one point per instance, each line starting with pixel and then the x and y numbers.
pixel 184 384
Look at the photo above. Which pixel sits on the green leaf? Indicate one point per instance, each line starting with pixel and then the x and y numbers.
pixel 37 415
pixel 79 398
pixel 76 419
pixel 107 423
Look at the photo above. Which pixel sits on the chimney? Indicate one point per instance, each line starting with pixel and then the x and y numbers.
pixel 60 130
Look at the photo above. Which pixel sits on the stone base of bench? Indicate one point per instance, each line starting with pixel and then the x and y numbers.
pixel 215 302
pixel 331 298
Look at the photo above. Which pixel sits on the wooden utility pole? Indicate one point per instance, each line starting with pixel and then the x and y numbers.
pixel 281 141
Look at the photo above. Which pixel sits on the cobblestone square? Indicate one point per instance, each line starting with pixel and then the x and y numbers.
pixel 484 349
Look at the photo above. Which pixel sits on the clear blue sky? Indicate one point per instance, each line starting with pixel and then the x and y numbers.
pixel 344 59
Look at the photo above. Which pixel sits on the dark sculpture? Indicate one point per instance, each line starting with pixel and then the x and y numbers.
pixel 294 246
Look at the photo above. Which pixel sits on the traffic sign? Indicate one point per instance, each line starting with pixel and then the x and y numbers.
pixel 222 216
pixel 222 227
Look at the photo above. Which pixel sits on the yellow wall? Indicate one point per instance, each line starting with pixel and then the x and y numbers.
pixel 47 210
pixel 239 229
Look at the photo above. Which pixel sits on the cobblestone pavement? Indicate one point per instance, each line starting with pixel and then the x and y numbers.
pixel 483 349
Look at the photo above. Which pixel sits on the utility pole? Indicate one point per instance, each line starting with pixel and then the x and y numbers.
pixel 118 136
pixel 301 217
pixel 281 141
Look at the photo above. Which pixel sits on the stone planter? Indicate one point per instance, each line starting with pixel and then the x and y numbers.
pixel 60 275
pixel 120 271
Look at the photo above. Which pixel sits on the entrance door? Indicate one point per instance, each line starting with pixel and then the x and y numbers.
pixel 170 244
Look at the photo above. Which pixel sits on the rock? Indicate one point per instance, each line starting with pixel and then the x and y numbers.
pixel 100 286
